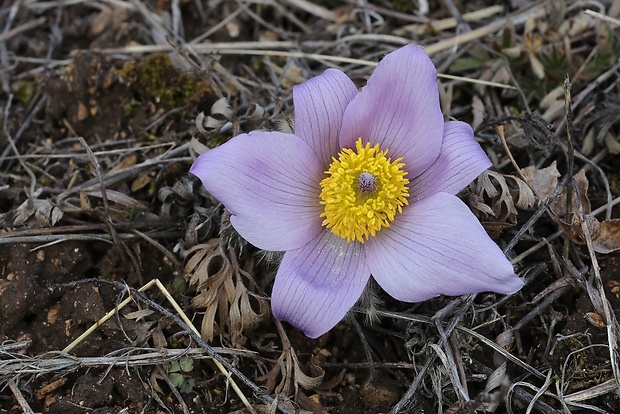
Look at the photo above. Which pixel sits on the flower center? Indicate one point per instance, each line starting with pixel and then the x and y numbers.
pixel 367 183
pixel 363 191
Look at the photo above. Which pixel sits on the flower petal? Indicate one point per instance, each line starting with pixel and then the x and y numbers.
pixel 460 161
pixel 319 105
pixel 269 181
pixel 399 110
pixel 437 246
pixel 317 284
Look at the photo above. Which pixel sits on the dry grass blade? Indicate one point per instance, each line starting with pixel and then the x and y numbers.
pixel 15 364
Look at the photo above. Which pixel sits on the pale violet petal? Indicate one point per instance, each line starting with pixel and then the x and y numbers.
pixel 319 105
pixel 317 284
pixel 399 110
pixel 269 181
pixel 437 246
pixel 460 161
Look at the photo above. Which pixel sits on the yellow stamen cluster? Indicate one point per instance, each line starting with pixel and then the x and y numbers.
pixel 355 213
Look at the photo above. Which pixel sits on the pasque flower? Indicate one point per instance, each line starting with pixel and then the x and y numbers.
pixel 366 185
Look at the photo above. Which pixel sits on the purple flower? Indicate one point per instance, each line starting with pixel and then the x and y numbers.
pixel 366 185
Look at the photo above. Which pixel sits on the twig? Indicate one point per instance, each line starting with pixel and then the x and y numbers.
pixel 516 20
pixel 159 247
pixel 483 339
pixel 611 322
pixel 261 49
pixel 568 113
pixel 592 163
pixel 371 366
pixel 8 35
pixel 500 133
pixel 541 210
pixel 605 207
pixel 543 242
pixel 58 238
pixel 314 9
pixel 593 392
pixel 456 14
pixel 83 228
pixel 582 95
pixel 405 399
pixel 184 322
pixel 193 332
pixel 12 146
pixel 106 208
pixel 603 17
pixel 174 390
pixel 19 364
pixel 450 22
pixel 4 56
pixel 19 397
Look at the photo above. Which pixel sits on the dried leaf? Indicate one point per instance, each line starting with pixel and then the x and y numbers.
pixel 556 12
pixel 292 76
pixel 513 52
pixel 492 187
pixel 119 198
pixel 200 123
pixel 143 180
pixel 494 198
pixel 221 109
pixel 46 213
pixel 537 66
pixel 85 205
pixel 255 112
pixel 126 162
pixel 605 234
pixel 608 238
pixel 603 116
pixel 196 147
pixel 221 113
pixel 558 206
pixel 501 76
pixel 553 103
pixel 213 125
pixel 543 181
pixel 286 375
pixel 574 230
pixel 580 24
pixel 108 20
pixel 304 380
pixel 139 314
pixel 487 206
pixel 223 288
pixel 523 196
pixel 612 144
pixel 309 405
pixel 595 320
pixel 588 142
pixel 478 111
pixel 477 203
pixel 287 124
pixel 539 133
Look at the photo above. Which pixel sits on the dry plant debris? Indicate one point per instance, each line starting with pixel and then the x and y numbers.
pixel 103 107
